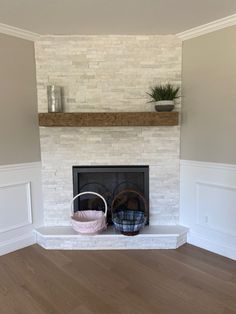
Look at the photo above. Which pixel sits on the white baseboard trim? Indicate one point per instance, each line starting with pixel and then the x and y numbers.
pixel 17 243
pixel 204 243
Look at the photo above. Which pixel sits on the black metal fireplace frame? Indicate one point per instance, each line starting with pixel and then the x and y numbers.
pixel 76 170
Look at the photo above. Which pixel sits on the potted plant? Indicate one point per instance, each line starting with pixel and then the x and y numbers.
pixel 163 96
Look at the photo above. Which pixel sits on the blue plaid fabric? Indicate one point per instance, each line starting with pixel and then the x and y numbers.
pixel 128 220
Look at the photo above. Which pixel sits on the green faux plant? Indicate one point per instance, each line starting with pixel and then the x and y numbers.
pixel 163 92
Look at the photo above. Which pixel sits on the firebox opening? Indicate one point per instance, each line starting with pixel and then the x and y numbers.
pixel 109 181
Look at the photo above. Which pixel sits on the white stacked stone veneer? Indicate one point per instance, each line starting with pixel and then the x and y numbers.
pixel 108 73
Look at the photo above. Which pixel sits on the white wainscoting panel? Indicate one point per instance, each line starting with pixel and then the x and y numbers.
pixel 208 205
pixel 12 216
pixel 20 205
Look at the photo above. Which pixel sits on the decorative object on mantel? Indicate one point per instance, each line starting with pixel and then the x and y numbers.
pixel 127 220
pixel 89 221
pixel 54 94
pixel 105 119
pixel 163 96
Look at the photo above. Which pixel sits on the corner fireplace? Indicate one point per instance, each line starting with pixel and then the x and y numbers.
pixel 108 181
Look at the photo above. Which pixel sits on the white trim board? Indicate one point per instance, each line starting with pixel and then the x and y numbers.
pixel 208 28
pixel 207 164
pixel 188 34
pixel 17 243
pixel 18 32
pixel 198 240
pixel 21 166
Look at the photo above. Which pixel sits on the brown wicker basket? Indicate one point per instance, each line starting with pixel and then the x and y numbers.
pixel 128 221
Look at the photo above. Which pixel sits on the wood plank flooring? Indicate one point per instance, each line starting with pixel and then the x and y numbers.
pixel 188 280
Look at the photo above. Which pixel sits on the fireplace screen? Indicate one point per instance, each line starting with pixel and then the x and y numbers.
pixel 109 181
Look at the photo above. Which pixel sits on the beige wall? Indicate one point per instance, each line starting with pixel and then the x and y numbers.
pixel 19 134
pixel 209 98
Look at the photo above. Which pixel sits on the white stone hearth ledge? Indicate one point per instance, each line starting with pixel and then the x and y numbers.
pixel 151 237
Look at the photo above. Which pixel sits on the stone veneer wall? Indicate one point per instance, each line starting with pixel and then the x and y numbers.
pixel 108 73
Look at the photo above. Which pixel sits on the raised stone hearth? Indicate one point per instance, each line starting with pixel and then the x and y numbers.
pixel 151 237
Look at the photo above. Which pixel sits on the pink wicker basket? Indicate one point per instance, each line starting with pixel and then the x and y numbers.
pixel 88 221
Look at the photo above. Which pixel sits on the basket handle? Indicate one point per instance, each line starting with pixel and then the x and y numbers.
pixel 130 191
pixel 88 192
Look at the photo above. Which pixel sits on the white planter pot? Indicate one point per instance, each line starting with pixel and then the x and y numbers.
pixel 165 102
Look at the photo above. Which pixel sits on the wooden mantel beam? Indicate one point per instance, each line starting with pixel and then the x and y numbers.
pixel 106 119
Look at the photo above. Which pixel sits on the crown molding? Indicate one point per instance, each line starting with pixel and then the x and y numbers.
pixel 208 28
pixel 188 34
pixel 18 32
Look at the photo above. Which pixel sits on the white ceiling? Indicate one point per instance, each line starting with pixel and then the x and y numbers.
pixel 112 16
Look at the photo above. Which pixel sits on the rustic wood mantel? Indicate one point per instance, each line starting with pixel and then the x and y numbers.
pixel 105 119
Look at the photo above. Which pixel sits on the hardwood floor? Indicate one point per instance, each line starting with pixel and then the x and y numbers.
pixel 188 280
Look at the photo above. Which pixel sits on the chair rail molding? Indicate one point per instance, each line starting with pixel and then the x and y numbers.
pixel 21 208
pixel 21 166
pixel 207 205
